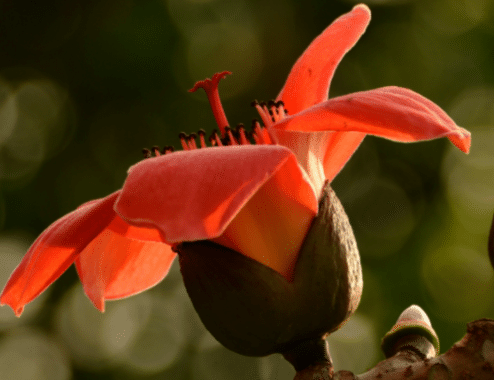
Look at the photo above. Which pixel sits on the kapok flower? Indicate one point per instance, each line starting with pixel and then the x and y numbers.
pixel 258 199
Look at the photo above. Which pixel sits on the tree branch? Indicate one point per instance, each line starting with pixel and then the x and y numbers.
pixel 472 358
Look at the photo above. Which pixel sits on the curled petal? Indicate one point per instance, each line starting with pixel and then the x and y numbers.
pixel 395 113
pixel 199 192
pixel 309 80
pixel 122 261
pixel 55 250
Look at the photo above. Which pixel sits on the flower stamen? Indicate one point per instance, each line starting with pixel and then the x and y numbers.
pixel 257 132
pixel 270 113
pixel 202 135
pixel 156 151
pixel 229 134
pixel 211 88
pixel 168 149
pixel 241 135
pixel 191 141
pixel 183 140
pixel 147 153
pixel 215 139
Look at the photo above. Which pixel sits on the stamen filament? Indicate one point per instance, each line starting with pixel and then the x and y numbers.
pixel 183 140
pixel 229 133
pixel 241 133
pixel 191 141
pixel 202 134
pixel 263 113
pixel 215 139
pixel 256 127
pixel 156 151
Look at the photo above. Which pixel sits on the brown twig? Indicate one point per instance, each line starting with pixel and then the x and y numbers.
pixel 472 358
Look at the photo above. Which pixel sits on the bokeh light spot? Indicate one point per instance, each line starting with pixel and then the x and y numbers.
pixel 353 347
pixel 79 324
pixel 470 183
pixel 160 341
pixel 8 112
pixel 32 355
pixel 275 367
pixel 459 282
pixel 474 107
pixel 145 333
pixel 218 363
pixel 36 119
pixel 384 218
pixel 13 246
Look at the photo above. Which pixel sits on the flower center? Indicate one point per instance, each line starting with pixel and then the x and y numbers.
pixel 270 113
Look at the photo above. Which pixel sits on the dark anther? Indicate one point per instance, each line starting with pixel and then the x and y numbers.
pixel 240 126
pixel 270 112
pixel 192 136
pixel 235 133
pixel 254 123
pixel 213 135
pixel 280 103
pixel 271 103
pixel 182 135
pixel 168 149
pixel 263 104
pixel 254 103
pixel 155 149
pixel 147 153
pixel 227 129
pixel 286 112
pixel 201 132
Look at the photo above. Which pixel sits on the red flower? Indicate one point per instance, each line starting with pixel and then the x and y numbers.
pixel 257 199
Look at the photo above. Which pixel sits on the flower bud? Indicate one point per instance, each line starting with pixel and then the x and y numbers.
pixel 253 310
pixel 412 329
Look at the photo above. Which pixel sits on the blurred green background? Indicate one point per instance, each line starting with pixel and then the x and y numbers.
pixel 85 85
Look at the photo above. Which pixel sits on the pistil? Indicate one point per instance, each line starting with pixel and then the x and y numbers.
pixel 211 88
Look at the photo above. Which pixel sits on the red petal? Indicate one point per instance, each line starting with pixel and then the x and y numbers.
pixel 321 154
pixel 392 112
pixel 194 195
pixel 116 264
pixel 339 148
pixel 309 80
pixel 272 226
pixel 55 250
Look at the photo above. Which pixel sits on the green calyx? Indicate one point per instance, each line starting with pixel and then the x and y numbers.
pixel 252 310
